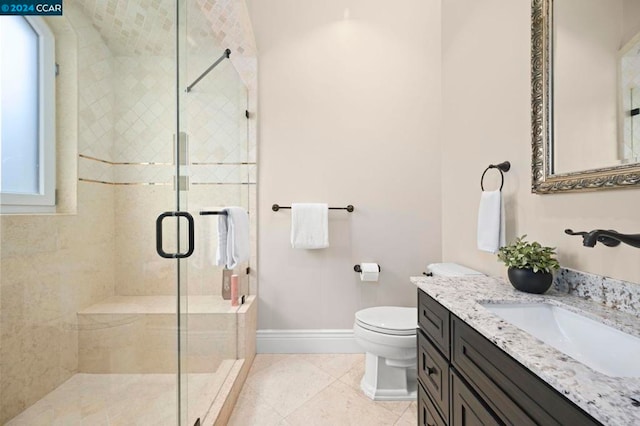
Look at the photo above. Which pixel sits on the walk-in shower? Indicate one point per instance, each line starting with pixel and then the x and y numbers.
pixel 95 327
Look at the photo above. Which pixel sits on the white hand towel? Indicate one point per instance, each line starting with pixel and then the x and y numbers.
pixel 233 237
pixel 491 218
pixel 309 225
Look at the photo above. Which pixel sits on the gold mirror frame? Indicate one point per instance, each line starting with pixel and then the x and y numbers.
pixel 542 181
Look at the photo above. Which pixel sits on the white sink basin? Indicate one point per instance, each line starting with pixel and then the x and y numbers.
pixel 603 348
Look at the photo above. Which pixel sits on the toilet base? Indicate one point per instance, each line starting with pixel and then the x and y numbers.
pixel 382 382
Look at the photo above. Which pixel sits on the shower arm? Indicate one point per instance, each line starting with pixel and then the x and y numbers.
pixel 225 55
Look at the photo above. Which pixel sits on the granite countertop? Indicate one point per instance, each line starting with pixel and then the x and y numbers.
pixel 611 400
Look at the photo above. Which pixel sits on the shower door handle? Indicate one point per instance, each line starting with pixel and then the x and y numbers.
pixel 159 248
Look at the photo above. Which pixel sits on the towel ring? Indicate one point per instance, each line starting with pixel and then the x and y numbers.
pixel 503 167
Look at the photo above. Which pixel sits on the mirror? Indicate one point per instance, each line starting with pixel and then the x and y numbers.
pixel 585 57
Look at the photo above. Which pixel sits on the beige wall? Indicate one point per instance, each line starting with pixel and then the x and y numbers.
pixel 488 67
pixel 631 23
pixel 349 114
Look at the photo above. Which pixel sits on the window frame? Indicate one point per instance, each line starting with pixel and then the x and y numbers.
pixel 45 201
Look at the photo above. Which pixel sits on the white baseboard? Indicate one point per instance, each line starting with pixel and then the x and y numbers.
pixel 306 342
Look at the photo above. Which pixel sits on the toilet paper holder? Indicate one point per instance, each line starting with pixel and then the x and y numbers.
pixel 357 268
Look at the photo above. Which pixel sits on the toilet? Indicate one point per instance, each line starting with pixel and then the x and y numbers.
pixel 388 336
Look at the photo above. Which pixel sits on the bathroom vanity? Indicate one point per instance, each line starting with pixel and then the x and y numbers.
pixel 475 368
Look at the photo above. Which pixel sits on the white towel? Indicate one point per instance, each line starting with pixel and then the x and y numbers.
pixel 491 228
pixel 309 225
pixel 233 237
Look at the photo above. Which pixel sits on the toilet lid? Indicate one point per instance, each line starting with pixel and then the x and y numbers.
pixel 389 320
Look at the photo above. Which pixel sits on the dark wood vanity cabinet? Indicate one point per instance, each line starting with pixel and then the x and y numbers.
pixel 464 379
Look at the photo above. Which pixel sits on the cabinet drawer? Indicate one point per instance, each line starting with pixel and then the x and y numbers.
pixel 433 372
pixel 427 413
pixel 433 319
pixel 515 394
pixel 466 408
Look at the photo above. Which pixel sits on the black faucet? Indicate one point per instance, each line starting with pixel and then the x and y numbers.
pixel 609 238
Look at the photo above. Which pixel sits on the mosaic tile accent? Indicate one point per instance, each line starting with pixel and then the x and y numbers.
pixel 132 27
pixel 145 114
pixel 223 174
pixel 215 114
pixel 149 27
pixel 95 94
pixel 608 399
pixel 214 119
pixel 137 66
pixel 613 293
pixel 230 19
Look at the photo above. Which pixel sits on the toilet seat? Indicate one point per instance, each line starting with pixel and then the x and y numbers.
pixel 391 320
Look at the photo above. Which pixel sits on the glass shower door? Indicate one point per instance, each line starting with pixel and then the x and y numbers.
pixel 214 172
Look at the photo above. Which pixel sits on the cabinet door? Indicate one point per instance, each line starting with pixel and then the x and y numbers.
pixel 466 408
pixel 427 412
pixel 433 372
pixel 433 319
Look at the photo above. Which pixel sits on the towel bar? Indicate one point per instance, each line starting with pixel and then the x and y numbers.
pixel 349 208
pixel 206 213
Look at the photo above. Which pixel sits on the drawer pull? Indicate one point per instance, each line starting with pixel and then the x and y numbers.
pixel 429 370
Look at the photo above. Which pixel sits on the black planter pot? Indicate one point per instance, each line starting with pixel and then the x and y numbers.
pixel 530 282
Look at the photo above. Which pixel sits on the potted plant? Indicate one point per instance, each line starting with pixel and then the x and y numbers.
pixel 530 265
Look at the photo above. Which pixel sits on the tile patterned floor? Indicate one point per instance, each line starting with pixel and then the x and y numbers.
pixel 310 389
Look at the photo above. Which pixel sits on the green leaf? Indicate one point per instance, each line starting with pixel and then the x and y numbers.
pixel 523 254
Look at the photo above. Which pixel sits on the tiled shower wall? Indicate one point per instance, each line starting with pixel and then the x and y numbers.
pixel 55 265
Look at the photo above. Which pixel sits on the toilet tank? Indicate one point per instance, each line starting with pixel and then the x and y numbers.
pixel 450 270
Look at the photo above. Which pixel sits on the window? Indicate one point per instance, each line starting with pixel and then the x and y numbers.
pixel 27 115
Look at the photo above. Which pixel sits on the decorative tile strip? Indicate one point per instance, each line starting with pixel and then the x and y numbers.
pixel 124 183
pixel 113 163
